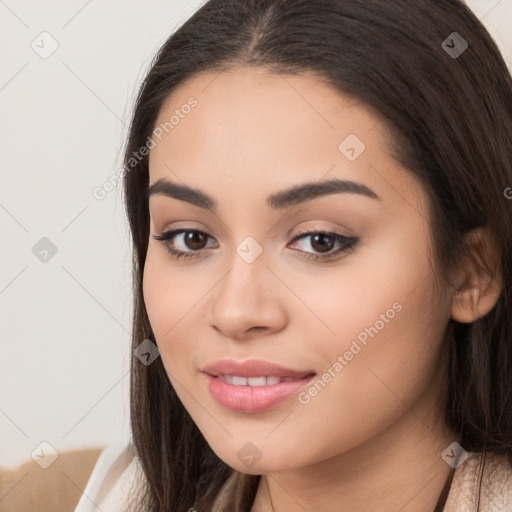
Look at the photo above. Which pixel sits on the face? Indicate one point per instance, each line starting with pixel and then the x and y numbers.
pixel 333 284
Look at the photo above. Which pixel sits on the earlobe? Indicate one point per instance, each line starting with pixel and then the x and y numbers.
pixel 480 280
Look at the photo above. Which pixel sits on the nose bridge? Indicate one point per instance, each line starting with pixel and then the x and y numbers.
pixel 245 297
pixel 246 274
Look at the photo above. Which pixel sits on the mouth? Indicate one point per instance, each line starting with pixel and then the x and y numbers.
pixel 253 368
pixel 238 380
pixel 253 386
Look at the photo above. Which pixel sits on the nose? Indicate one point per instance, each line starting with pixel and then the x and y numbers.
pixel 247 302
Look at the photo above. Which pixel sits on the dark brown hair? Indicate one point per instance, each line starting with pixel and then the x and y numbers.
pixel 450 118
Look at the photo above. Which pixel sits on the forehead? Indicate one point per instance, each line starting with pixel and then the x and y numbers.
pixel 250 126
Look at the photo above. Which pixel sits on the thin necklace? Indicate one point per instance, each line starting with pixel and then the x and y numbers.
pixel 441 502
pixel 269 497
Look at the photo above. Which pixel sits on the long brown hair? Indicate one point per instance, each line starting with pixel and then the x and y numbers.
pixel 450 117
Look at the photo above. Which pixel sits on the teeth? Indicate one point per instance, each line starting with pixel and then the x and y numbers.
pixel 257 381
pixel 253 381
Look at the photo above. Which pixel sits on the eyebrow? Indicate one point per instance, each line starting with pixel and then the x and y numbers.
pixel 284 199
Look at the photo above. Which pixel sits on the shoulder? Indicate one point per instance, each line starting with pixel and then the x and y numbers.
pixel 116 478
pixel 493 494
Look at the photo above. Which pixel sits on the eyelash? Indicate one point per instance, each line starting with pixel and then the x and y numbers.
pixel 346 243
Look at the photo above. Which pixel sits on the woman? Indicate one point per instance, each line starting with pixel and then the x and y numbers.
pixel 318 194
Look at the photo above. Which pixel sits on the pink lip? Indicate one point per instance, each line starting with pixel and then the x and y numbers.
pixel 251 399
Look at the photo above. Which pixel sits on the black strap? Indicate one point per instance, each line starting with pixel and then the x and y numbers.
pixel 441 502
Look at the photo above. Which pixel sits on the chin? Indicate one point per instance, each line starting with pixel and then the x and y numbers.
pixel 240 459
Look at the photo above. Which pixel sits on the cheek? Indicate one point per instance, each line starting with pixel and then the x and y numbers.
pixel 378 312
pixel 366 289
pixel 374 372
pixel 170 296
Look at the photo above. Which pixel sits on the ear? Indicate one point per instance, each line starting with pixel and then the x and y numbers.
pixel 479 280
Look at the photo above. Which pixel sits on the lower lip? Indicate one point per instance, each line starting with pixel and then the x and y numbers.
pixel 253 398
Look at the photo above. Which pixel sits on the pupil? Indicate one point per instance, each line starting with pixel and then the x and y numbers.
pixel 319 242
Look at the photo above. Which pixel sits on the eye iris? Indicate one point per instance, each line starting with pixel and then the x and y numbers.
pixel 319 242
pixel 194 237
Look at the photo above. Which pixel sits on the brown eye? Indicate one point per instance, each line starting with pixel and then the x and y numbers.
pixel 184 243
pixel 324 245
pixel 322 242
pixel 195 240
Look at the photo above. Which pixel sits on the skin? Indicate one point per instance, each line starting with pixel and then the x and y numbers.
pixel 372 438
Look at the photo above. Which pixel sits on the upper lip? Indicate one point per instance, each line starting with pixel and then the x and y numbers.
pixel 252 368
